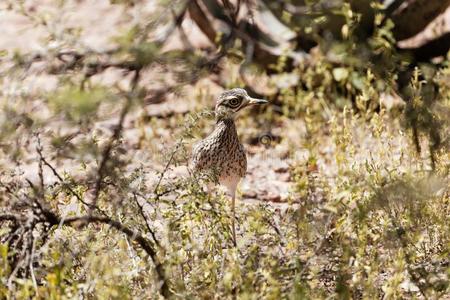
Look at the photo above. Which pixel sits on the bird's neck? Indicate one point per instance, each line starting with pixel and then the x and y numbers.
pixel 225 122
pixel 225 126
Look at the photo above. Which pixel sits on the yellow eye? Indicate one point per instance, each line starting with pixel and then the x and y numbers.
pixel 234 102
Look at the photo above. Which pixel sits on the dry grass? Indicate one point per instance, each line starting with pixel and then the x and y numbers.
pixel 96 199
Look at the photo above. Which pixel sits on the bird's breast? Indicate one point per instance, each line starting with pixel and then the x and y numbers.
pixel 221 153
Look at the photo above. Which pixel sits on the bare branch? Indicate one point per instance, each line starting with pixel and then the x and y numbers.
pixel 141 211
pixel 132 235
pixel 67 186
pixel 106 155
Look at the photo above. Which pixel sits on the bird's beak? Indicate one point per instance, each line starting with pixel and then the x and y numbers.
pixel 252 101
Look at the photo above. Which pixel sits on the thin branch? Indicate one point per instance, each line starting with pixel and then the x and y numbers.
pixel 42 214
pixel 32 254
pixel 10 217
pixel 149 229
pixel 166 167
pixel 40 169
pixel 106 155
pixel 178 20
pixel 67 186
pixel 132 235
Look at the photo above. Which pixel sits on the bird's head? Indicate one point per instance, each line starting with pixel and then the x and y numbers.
pixel 232 101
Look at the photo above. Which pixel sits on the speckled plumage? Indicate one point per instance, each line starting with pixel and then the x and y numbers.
pixel 221 155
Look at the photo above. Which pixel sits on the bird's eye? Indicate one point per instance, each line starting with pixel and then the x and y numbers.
pixel 234 102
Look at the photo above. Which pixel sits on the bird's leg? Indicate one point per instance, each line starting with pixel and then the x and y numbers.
pixel 233 218
pixel 209 189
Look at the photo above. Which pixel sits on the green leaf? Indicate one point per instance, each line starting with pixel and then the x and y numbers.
pixel 78 104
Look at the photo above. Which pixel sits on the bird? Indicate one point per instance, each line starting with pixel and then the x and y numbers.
pixel 221 156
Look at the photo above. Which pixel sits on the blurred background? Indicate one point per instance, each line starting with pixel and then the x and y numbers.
pixel 347 189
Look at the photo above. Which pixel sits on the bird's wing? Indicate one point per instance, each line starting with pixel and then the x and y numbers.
pixel 198 156
pixel 204 155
